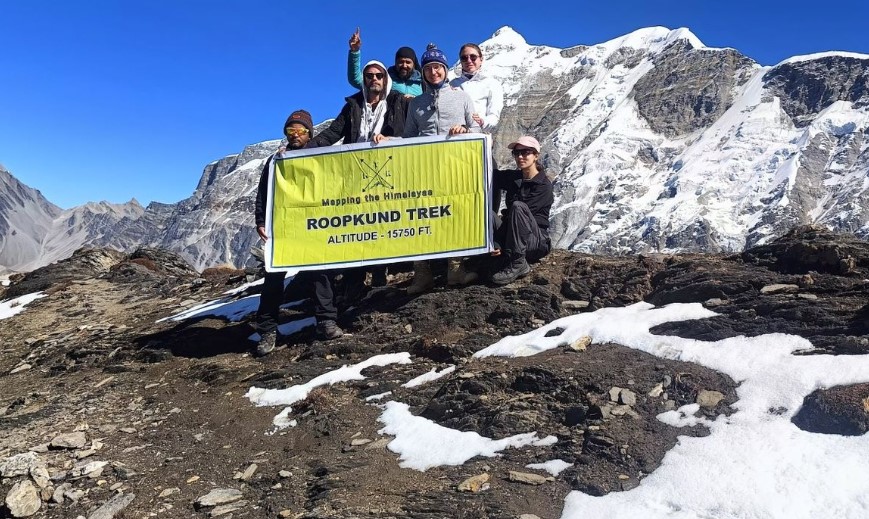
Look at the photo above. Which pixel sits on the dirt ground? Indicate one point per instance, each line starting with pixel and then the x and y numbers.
pixel 163 404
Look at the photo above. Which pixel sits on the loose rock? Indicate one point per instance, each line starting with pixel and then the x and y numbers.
pixel 474 483
pixel 580 344
pixel 709 398
pixel 59 492
pixel 227 509
pixel 40 476
pixel 218 496
pixel 73 440
pixel 627 397
pixel 23 500
pixel 19 465
pixel 169 491
pixel 779 289
pixel 574 305
pixel 527 478
pixel 248 472
pixel 113 506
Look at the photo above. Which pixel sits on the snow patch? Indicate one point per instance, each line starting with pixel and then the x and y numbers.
pixel 10 307
pixel 764 465
pixel 554 467
pixel 422 444
pixel 434 374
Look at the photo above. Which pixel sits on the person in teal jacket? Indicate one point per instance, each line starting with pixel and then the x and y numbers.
pixel 405 74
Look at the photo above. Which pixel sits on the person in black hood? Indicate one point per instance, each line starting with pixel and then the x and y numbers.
pixel 371 114
pixel 319 284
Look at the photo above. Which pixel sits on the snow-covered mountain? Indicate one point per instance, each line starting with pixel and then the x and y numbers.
pixel 663 144
pixel 659 143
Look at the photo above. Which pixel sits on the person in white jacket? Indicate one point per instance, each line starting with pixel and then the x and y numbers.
pixel 485 91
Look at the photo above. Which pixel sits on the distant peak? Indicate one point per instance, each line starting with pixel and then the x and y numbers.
pixel 822 55
pixel 506 35
pixel 683 33
pixel 656 38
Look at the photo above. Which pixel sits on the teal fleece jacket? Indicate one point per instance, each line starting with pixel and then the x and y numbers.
pixel 411 86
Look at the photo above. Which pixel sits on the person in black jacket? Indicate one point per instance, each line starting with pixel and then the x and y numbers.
pixel 523 233
pixel 318 284
pixel 370 115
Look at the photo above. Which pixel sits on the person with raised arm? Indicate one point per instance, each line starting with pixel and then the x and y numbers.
pixel 405 72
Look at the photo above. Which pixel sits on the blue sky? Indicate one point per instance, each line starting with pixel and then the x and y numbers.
pixel 115 99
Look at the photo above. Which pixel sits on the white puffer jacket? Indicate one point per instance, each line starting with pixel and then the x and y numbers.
pixel 486 94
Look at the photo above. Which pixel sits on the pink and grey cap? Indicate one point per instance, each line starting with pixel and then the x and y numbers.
pixel 527 141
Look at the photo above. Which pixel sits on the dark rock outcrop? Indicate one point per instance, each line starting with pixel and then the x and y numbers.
pixel 808 87
pixel 839 410
pixel 690 88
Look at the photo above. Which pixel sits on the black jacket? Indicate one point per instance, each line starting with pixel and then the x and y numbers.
pixel 262 190
pixel 346 125
pixel 536 193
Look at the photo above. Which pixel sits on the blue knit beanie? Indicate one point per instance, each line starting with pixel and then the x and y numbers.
pixel 434 55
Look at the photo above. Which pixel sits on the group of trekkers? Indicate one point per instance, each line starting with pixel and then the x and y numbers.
pixel 414 98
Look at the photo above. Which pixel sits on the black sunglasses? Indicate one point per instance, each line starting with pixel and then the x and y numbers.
pixel 374 75
pixel 469 57
pixel 523 152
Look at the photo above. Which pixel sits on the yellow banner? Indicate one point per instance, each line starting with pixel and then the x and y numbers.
pixel 364 204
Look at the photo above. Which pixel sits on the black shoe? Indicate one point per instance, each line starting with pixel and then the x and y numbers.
pixel 328 330
pixel 516 269
pixel 266 343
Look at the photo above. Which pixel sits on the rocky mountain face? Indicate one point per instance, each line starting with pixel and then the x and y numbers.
pixel 109 409
pixel 657 142
pixel 34 232
pixel 26 217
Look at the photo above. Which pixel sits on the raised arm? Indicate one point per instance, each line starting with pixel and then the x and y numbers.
pixel 354 73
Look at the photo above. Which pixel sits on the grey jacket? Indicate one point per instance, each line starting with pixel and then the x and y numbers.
pixel 430 114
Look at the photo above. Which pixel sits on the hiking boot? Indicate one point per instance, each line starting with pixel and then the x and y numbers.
pixel 517 268
pixel 458 275
pixel 266 343
pixel 423 280
pixel 328 330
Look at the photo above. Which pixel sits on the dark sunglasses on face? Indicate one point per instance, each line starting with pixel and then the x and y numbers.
pixel 373 75
pixel 469 57
pixel 524 152
pixel 295 131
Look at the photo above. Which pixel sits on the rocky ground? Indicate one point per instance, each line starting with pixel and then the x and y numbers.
pixel 105 412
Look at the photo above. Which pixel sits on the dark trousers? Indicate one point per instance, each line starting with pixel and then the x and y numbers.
pixel 518 233
pixel 316 284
